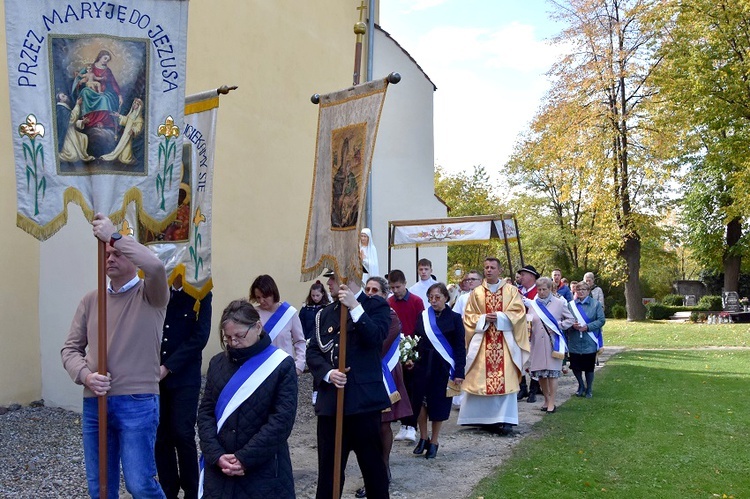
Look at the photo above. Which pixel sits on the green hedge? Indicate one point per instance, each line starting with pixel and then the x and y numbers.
pixel 709 302
pixel 673 300
pixel 659 311
pixel 618 311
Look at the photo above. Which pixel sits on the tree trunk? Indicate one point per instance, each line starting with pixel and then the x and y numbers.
pixel 633 296
pixel 731 258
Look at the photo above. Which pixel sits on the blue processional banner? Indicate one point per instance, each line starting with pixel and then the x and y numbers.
pixel 97 93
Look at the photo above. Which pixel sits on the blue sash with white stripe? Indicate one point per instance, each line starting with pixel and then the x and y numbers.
pixel 559 346
pixel 438 339
pixel 241 386
pixel 582 318
pixel 279 319
pixel 390 359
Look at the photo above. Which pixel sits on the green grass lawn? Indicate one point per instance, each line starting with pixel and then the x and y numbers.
pixel 665 334
pixel 662 424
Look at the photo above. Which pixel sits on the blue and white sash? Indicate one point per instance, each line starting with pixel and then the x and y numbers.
pixel 438 339
pixel 582 318
pixel 241 386
pixel 279 319
pixel 390 359
pixel 559 347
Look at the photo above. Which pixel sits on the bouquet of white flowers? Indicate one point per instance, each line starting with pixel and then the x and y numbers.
pixel 408 347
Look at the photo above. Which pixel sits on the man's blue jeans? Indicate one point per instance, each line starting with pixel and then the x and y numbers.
pixel 131 432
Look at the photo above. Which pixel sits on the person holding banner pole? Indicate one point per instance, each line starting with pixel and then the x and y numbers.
pixel 441 362
pixel 135 315
pixel 586 339
pixel 279 319
pixel 365 396
pixel 550 317
pixel 247 412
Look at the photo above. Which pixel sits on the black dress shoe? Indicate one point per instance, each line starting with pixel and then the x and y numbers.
pixel 421 446
pixel 532 398
pixel 361 492
pixel 431 451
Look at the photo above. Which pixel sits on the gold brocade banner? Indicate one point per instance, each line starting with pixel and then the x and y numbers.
pixel 347 128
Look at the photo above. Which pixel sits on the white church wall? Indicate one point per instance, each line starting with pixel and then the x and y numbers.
pixel 403 183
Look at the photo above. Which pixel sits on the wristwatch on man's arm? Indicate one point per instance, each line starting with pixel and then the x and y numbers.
pixel 114 238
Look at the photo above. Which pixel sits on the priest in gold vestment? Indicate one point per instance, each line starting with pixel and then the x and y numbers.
pixel 497 346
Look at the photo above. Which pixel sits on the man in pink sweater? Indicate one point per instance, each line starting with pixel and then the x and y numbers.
pixel 135 315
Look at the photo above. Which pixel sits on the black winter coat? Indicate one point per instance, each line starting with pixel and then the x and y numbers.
pixel 184 337
pixel 307 317
pixel 256 432
pixel 364 382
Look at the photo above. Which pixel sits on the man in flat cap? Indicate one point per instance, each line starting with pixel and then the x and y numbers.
pixel 365 396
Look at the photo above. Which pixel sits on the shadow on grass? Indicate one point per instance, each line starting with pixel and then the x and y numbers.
pixel 661 424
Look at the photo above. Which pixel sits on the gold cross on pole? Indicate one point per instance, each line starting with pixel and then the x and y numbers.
pixel 361 10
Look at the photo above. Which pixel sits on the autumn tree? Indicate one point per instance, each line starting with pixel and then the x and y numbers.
pixel 607 75
pixel 704 85
pixel 468 194
pixel 556 176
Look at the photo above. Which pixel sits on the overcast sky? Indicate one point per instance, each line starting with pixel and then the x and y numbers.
pixel 488 59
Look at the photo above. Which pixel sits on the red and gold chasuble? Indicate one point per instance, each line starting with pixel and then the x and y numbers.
pixel 493 342
pixel 493 362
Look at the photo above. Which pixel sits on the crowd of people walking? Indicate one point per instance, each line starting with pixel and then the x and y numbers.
pixel 411 353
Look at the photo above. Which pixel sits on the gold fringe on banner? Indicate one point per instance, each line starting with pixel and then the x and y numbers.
pixel 73 195
pixel 197 293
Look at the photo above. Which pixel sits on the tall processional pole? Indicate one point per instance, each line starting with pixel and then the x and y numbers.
pixel 102 361
pixel 359 30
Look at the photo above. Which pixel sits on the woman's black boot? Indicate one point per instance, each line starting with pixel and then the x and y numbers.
pixel 421 446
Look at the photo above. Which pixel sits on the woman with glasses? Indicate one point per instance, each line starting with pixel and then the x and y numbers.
pixel 585 339
pixel 400 407
pixel 442 357
pixel 247 412
pixel 472 280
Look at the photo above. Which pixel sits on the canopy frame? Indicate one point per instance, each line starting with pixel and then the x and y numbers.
pixel 494 233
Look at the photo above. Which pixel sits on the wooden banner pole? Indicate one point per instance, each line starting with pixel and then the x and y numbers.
pixel 102 361
pixel 338 442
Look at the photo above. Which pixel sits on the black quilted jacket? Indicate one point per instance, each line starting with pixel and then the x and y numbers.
pixel 256 432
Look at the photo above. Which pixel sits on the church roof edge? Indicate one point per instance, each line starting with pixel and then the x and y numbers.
pixel 380 28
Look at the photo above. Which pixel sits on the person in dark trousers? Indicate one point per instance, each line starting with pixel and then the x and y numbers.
pixel 365 396
pixel 185 334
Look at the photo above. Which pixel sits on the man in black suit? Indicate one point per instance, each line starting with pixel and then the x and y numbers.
pixel 364 396
pixel 184 336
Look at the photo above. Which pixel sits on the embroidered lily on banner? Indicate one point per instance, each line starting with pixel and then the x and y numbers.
pixel 197 260
pixel 167 155
pixel 33 153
